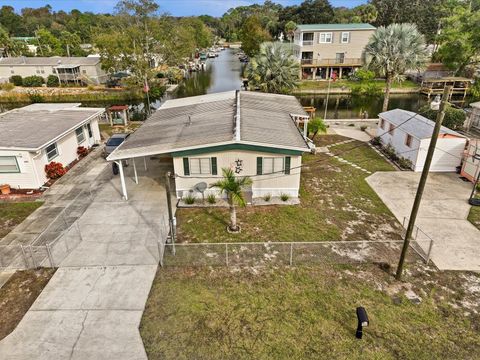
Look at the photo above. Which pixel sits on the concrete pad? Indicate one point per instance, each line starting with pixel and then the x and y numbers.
pixel 442 215
pixel 99 288
pixel 351 133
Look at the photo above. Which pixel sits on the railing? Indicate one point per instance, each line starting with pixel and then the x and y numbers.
pixel 306 43
pixel 327 62
pixel 282 253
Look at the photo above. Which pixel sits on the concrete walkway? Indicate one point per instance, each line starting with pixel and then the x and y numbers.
pixel 442 216
pixel 92 306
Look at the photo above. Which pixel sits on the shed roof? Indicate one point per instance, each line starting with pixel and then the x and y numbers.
pixel 32 129
pixel 414 124
pixel 211 120
pixel 353 26
pixel 49 61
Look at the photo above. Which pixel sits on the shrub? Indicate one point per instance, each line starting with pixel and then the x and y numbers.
pixel 363 75
pixel 375 141
pixel 16 80
pixel 390 152
pixel 189 199
pixel 82 151
pixel 284 197
pixel 454 118
pixel 369 89
pixel 267 197
pixel 52 81
pixel 211 199
pixel 7 86
pixel 90 87
pixel 404 163
pixel 33 81
pixel 54 170
pixel 35 97
pixel 363 127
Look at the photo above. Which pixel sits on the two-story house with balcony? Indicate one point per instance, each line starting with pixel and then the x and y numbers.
pixel 330 50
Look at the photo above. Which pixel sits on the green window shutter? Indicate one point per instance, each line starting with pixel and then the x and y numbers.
pixel 186 167
pixel 259 166
pixel 214 166
pixel 287 165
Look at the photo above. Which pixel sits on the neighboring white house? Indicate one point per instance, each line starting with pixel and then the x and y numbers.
pixel 35 135
pixel 254 134
pixel 471 161
pixel 410 135
pixel 87 70
pixel 473 118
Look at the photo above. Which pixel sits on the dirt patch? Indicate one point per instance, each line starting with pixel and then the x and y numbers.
pixel 18 294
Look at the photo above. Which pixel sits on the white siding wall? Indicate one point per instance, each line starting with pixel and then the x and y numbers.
pixel 443 161
pixel 398 141
pixel 274 185
pixel 26 179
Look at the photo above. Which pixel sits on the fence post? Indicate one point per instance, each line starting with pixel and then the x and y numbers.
pixel 50 257
pixel 291 254
pixel 226 254
pixel 33 257
pixel 24 255
pixel 430 246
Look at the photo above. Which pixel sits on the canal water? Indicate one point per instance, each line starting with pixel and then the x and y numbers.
pixel 224 73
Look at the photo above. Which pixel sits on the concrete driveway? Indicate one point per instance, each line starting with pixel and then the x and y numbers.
pixel 442 215
pixel 92 306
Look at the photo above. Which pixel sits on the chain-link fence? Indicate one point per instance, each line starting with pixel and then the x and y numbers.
pixel 282 253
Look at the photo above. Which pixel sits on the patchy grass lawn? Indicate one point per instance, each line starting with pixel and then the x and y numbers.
pixel 336 204
pixel 320 85
pixel 12 214
pixel 18 294
pixel 474 216
pixel 309 313
pixel 110 130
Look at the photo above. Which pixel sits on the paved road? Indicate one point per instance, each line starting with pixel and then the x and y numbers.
pixel 442 216
pixel 92 306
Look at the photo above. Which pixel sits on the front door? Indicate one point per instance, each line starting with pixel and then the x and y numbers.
pixel 340 58
pixel 91 139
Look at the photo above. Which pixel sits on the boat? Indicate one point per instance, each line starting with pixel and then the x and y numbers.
pixel 211 55
pixel 203 56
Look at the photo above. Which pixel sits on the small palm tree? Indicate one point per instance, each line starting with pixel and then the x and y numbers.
pixel 274 69
pixel 315 126
pixel 233 187
pixel 393 50
pixel 290 30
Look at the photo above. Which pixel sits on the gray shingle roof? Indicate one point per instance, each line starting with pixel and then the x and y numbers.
pixel 207 120
pixel 49 61
pixel 306 27
pixel 32 129
pixel 418 126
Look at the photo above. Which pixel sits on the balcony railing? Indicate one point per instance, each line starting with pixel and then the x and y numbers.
pixel 330 62
pixel 306 43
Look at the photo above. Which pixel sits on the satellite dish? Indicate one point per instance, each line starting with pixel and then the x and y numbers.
pixel 201 187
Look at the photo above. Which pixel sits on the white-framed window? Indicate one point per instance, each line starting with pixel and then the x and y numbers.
pixel 391 129
pixel 273 164
pixel 200 166
pixel 408 140
pixel 80 135
pixel 345 37
pixel 325 38
pixel 52 151
pixel 9 164
pixel 382 124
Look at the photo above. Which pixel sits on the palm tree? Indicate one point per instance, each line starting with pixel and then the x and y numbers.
pixel 274 69
pixel 393 50
pixel 290 30
pixel 233 187
pixel 315 126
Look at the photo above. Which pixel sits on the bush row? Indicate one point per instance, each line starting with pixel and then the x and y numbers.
pixel 34 81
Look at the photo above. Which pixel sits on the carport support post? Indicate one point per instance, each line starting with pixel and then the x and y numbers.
pixel 169 205
pixel 122 180
pixel 423 180
pixel 135 171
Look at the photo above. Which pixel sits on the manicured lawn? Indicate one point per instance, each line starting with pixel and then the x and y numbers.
pixel 309 313
pixel 311 85
pixel 12 214
pixel 336 204
pixel 18 294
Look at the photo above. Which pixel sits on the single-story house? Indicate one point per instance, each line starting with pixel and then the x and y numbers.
pixel 35 135
pixel 86 70
pixel 254 134
pixel 410 133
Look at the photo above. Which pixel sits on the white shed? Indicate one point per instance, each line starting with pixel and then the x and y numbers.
pixel 35 135
pixel 409 134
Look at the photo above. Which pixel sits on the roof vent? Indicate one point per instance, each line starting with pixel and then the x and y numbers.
pixel 189 120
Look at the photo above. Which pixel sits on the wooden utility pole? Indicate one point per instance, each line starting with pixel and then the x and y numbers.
pixel 423 180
